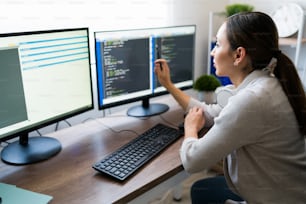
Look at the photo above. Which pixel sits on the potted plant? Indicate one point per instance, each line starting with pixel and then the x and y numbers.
pixel 206 86
pixel 236 8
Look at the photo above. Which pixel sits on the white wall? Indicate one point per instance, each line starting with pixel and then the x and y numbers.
pixel 197 12
pixel 268 6
pixel 97 14
pixel 18 15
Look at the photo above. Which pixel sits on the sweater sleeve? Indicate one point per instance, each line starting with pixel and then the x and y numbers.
pixel 210 110
pixel 236 125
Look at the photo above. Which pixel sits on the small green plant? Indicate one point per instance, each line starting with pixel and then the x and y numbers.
pixel 206 83
pixel 236 8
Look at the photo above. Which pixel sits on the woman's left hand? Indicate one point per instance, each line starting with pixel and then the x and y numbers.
pixel 194 121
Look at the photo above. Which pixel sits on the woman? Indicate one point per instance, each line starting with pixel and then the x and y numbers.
pixel 260 131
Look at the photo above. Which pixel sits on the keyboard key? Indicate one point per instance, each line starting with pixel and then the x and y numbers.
pixel 129 158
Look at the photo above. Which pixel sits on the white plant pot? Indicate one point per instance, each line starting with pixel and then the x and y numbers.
pixel 209 97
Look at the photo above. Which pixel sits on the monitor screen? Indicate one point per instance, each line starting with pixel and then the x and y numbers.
pixel 125 65
pixel 45 77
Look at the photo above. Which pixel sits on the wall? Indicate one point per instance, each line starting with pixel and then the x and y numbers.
pixel 197 11
pixel 269 7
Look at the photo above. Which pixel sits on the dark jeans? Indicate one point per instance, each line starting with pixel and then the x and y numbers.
pixel 212 191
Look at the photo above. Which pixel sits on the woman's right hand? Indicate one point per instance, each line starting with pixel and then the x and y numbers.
pixel 162 72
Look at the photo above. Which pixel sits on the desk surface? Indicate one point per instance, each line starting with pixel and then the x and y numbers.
pixel 69 177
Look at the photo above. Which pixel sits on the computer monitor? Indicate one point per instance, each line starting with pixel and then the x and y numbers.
pixel 45 77
pixel 125 65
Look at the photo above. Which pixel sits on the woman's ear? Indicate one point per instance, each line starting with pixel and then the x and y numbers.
pixel 239 55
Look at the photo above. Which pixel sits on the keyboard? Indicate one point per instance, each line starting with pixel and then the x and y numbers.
pixel 126 160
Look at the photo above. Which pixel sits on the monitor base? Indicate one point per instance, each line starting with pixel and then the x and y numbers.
pixel 37 149
pixel 146 111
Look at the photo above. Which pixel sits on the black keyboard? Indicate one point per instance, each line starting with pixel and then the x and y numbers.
pixel 129 158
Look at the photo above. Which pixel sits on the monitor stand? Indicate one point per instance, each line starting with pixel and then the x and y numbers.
pixel 30 150
pixel 147 109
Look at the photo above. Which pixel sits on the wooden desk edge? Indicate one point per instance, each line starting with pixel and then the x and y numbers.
pixel 149 186
pixel 87 143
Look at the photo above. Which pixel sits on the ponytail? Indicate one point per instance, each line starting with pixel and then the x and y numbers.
pixel 288 76
pixel 257 32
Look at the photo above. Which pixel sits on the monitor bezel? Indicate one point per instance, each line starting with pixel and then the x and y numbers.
pixel 147 97
pixel 41 124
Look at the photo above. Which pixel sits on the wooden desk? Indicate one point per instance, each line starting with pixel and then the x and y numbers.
pixel 69 177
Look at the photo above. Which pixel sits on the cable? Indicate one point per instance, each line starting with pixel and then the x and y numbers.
pixel 168 122
pixel 115 131
pixel 38 133
pixel 88 119
pixel 66 121
pixel 57 124
pixel 1 143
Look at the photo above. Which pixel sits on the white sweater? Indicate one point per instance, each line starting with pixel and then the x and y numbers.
pixel 257 134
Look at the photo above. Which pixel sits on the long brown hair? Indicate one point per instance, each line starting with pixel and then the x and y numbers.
pixel 257 33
